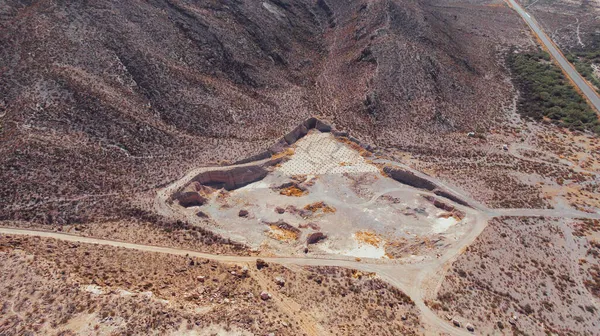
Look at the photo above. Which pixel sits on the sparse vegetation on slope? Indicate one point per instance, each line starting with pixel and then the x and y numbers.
pixel 547 93
pixel 584 62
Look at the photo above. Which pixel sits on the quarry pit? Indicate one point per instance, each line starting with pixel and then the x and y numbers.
pixel 323 193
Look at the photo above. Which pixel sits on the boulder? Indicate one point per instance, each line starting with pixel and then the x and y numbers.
pixel 470 327
pixel 191 198
pixel 280 281
pixel 456 323
pixel 315 237
pixel 243 213
pixel 279 210
pixel 265 296
pixel 202 214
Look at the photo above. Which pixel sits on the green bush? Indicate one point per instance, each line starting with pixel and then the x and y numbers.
pixel 546 92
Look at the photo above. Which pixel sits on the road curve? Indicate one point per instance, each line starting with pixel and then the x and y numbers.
pixel 567 67
pixel 404 277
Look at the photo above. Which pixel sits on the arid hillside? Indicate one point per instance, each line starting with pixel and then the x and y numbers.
pixel 101 102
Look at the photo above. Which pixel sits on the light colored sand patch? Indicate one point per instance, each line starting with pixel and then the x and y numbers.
pixel 320 153
pixel 255 185
pixel 359 249
pixel 274 10
pixel 443 224
pixel 93 289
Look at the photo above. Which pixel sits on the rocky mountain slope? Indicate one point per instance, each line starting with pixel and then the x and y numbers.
pixel 103 101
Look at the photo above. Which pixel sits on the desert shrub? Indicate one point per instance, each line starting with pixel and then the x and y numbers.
pixel 545 92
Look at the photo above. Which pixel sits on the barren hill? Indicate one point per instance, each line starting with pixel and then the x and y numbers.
pixel 104 100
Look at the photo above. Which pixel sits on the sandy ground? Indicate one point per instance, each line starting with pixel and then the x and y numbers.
pixel 359 199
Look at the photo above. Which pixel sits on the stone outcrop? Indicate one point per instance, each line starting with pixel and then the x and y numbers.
pixel 233 178
pixel 296 134
pixel 227 178
pixel 191 198
pixel 315 237
pixel 409 178
pixel 289 139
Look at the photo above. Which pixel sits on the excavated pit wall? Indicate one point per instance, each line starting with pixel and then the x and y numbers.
pixel 411 179
pixel 231 178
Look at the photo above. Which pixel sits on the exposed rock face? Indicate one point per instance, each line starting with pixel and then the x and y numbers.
pixel 290 139
pixel 439 204
pixel 191 198
pixel 311 225
pixel 232 178
pixel 409 178
pixel 285 226
pixel 315 237
pixel 296 134
pixel 227 178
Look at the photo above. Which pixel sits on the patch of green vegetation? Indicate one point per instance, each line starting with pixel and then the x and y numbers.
pixel 583 60
pixel 546 92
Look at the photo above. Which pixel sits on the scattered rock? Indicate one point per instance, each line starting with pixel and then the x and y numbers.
pixel 260 264
pixel 243 213
pixel 201 278
pixel 315 237
pixel 202 214
pixel 311 225
pixel 265 296
pixel 403 317
pixel 191 198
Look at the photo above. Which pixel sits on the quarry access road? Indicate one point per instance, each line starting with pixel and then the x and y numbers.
pixel 407 278
pixel 589 92
pixel 419 280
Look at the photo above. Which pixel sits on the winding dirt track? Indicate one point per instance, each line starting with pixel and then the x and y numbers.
pixel 418 281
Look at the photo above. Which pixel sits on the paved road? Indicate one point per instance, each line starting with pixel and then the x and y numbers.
pixel 587 90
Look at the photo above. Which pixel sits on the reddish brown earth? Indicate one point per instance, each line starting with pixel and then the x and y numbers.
pixel 176 84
